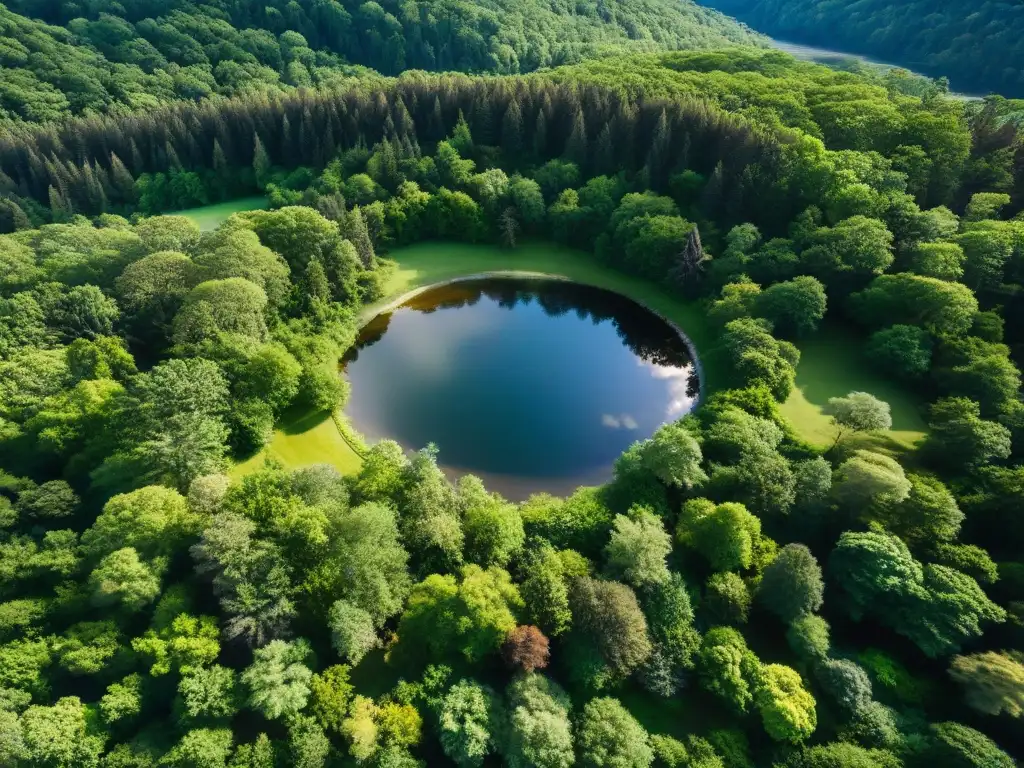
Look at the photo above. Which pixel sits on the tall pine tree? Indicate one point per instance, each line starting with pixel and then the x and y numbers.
pixel 60 208
pixel 512 132
pixel 462 138
pixel 260 163
pixel 354 230
pixel 483 121
pixel 690 262
pixel 604 153
pixel 657 157
pixel 121 179
pixel 540 136
pixel 576 145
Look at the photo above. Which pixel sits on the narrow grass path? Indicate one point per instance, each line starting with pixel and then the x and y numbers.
pixel 831 365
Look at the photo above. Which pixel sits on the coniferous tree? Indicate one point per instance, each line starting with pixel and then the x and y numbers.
pixel 260 162
pixel 576 145
pixel 138 166
pixel 540 136
pixel 483 122
pixel 355 231
pixel 221 169
pixel 60 208
pixel 12 217
pixel 689 263
pixel 624 133
pixel 121 179
pixel 286 154
pixel 713 196
pixel 604 153
pixel 435 125
pixel 462 137
pixel 173 161
pixel 512 132
pixel 684 153
pixel 657 157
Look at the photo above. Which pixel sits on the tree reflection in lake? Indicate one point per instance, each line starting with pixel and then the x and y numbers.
pixel 531 384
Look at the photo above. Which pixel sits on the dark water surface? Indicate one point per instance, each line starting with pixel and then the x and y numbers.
pixel 534 385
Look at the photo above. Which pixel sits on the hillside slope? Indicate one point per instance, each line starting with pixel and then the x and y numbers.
pixel 979 46
pixel 58 60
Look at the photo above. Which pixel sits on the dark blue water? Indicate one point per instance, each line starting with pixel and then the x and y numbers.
pixel 534 385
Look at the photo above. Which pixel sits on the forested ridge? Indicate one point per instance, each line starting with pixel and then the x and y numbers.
pixel 62 59
pixel 976 45
pixel 733 597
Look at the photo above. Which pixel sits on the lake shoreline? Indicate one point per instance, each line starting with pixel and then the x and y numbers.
pixel 374 311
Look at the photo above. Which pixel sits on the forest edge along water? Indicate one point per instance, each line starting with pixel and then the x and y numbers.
pixel 495 377
pixel 398 301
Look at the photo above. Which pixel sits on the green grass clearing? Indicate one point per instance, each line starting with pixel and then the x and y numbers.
pixel 209 217
pixel 832 364
pixel 302 439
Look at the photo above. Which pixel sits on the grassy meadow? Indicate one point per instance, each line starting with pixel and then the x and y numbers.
pixel 209 217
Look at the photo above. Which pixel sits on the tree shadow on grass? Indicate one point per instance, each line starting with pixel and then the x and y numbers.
pixel 833 364
pixel 296 421
pixel 879 442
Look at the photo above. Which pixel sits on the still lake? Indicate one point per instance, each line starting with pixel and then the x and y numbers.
pixel 531 384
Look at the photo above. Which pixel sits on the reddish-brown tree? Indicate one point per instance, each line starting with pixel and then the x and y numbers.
pixel 526 648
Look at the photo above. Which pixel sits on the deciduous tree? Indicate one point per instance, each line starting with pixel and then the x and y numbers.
pixel 610 736
pixel 526 648
pixel 791 585
pixel 278 679
pixel 539 730
pixel 638 547
pixel 470 719
pixel 787 709
pixel 993 682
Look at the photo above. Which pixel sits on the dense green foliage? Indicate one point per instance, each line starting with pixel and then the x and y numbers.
pixel 156 611
pixel 112 58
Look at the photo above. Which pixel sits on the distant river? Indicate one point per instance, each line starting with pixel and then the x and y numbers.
pixel 824 55
pixel 533 385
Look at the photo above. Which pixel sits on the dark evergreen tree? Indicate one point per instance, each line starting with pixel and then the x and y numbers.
pixel 260 162
pixel 576 144
pixel 689 263
pixel 540 136
pixel 512 132
pixel 354 229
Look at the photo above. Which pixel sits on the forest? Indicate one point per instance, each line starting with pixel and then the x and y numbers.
pixel 858 604
pixel 62 59
pixel 975 45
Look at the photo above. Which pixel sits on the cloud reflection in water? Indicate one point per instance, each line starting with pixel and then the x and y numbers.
pixel 623 421
pixel 681 395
